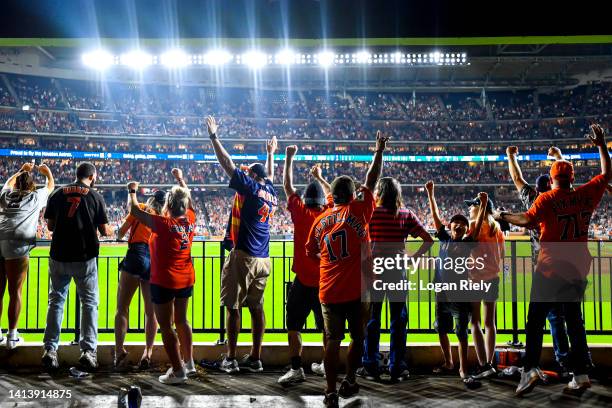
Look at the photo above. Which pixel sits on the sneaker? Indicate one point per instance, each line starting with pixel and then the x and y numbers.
pixel 292 377
pixel 1 336
pixel 401 376
pixel 230 366
pixel 248 363
pixel 172 378
pixel 348 389
pixel 49 360
pixel 318 369
pixel 13 342
pixel 485 371
pixel 528 380
pixel 578 385
pixel 331 400
pixel 471 383
pixel 145 363
pixel 89 359
pixel 189 368
pixel 120 362
pixel 543 377
pixel 367 374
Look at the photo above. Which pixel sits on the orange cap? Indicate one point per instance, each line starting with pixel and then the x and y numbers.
pixel 562 169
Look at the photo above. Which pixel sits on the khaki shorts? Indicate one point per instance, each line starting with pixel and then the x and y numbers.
pixel 243 280
pixel 336 315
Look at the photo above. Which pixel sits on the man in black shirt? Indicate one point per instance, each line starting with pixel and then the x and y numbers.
pixel 75 214
pixel 527 195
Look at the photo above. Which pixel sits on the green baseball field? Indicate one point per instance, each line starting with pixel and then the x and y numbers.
pixel 205 314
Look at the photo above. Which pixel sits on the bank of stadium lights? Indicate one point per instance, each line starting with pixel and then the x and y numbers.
pixel 255 59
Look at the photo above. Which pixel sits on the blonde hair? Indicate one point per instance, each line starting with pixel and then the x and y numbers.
pixel 177 201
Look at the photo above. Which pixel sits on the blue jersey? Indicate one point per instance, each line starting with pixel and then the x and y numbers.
pixel 254 206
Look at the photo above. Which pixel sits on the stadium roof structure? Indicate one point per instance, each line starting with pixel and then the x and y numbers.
pixel 492 62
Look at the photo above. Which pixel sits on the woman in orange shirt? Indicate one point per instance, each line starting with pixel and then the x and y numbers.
pixel 135 271
pixel 172 274
pixel 490 248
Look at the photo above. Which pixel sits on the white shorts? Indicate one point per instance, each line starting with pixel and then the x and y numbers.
pixel 14 249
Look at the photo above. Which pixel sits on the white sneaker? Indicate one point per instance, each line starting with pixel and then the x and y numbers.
pixel 578 384
pixel 189 368
pixel 528 381
pixel 318 369
pixel 173 378
pixel 292 377
pixel 1 336
pixel 13 342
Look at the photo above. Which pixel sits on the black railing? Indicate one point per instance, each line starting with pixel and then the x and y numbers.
pixel 208 316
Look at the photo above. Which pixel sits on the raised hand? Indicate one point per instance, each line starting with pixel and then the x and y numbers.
pixel 555 152
pixel 315 171
pixel 381 141
pixel 511 151
pixel 272 145
pixel 429 186
pixel 212 126
pixel 483 197
pixel 597 138
pixel 27 167
pixel 290 151
pixel 44 170
pixel 177 173
pixel 132 185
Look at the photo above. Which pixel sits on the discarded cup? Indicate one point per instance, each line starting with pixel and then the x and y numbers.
pixel 134 397
pixel 122 401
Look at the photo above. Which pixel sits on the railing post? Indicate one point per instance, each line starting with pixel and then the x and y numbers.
pixel 513 276
pixel 77 319
pixel 222 339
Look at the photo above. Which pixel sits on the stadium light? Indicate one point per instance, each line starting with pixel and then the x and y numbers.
pixel 286 57
pixel 136 59
pixel 175 59
pixel 217 57
pixel 98 59
pixel 363 57
pixel 325 58
pixel 254 59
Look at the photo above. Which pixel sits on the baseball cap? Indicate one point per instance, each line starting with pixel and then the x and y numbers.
pixel 562 169
pixel 476 202
pixel 543 183
pixel 314 194
pixel 257 168
pixel 160 196
pixel 459 218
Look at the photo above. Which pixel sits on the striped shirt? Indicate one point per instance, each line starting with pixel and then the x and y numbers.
pixel 388 227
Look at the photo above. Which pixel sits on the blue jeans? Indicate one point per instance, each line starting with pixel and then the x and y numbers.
pixel 399 320
pixel 559 336
pixel 85 275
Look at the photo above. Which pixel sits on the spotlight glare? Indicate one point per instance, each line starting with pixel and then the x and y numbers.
pixel 325 58
pixel 175 59
pixel 216 57
pixel 136 59
pixel 254 59
pixel 286 57
pixel 98 59
pixel 363 57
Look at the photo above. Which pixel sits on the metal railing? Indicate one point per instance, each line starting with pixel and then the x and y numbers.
pixel 208 316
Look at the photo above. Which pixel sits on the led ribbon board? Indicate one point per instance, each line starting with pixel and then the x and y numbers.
pixel 59 154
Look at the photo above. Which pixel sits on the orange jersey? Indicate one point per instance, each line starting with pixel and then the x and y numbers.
pixel 305 267
pixel 138 231
pixel 489 247
pixel 340 235
pixel 170 248
pixel 564 217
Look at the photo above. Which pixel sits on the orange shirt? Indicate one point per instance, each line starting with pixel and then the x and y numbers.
pixel 305 267
pixel 139 233
pixel 564 217
pixel 341 236
pixel 170 247
pixel 490 247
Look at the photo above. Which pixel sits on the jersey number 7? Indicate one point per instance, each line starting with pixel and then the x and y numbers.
pixel 343 245
pixel 74 204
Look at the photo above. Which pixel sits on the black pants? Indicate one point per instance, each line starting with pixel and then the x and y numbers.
pixel 539 307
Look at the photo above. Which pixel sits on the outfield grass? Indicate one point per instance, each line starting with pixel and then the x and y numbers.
pixel 204 310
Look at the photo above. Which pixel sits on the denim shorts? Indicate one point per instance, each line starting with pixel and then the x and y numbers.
pixel 14 249
pixel 137 261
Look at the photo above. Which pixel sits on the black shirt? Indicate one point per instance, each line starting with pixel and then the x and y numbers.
pixel 450 253
pixel 78 210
